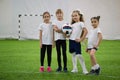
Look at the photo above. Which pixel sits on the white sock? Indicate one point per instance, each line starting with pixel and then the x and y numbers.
pixel 93 68
pixel 82 62
pixel 74 61
pixel 96 66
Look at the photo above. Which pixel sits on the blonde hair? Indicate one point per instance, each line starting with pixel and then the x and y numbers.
pixel 81 16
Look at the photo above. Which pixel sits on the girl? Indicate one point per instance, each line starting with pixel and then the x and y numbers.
pixel 46 40
pixel 60 40
pixel 94 39
pixel 76 37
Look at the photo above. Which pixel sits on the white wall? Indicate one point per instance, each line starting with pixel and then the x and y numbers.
pixel 6 29
pixel 107 9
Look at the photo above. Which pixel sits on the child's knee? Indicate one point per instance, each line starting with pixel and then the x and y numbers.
pixel 92 53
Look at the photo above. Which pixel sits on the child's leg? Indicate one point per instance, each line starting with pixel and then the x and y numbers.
pixel 74 61
pixel 92 57
pixel 92 68
pixel 58 53
pixel 49 50
pixel 43 49
pixel 64 53
pixel 82 62
pixel 95 66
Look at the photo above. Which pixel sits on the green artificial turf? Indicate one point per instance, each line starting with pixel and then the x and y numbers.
pixel 20 60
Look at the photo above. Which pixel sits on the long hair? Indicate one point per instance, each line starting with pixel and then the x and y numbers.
pixel 81 16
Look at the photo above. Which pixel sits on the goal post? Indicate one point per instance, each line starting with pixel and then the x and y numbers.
pixel 28 26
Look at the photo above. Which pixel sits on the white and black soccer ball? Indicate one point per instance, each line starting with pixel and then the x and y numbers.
pixel 67 29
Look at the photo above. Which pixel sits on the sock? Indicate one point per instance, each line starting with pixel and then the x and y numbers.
pixel 93 67
pixel 96 66
pixel 74 61
pixel 42 66
pixel 82 62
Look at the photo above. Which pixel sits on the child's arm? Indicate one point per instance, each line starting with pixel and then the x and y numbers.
pixel 56 29
pixel 99 40
pixel 40 38
pixel 53 42
pixel 84 33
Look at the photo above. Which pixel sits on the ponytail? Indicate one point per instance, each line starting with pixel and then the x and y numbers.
pixel 97 18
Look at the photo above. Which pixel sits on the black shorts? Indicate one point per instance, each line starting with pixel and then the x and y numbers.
pixel 74 47
pixel 91 49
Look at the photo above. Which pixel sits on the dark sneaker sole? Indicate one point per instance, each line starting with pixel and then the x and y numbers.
pixel 92 72
pixel 97 71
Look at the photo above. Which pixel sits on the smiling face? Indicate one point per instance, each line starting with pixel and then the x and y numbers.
pixel 94 23
pixel 46 17
pixel 75 17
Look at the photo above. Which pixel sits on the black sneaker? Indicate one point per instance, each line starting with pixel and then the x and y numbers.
pixel 65 70
pixel 97 71
pixel 92 72
pixel 59 69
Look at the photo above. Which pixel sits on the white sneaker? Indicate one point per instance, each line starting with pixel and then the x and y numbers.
pixel 74 71
pixel 85 72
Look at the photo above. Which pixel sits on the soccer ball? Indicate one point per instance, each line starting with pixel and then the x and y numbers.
pixel 67 29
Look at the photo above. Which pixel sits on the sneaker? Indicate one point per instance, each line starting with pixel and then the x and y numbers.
pixel 41 69
pixel 97 71
pixel 48 69
pixel 65 70
pixel 92 72
pixel 74 71
pixel 59 69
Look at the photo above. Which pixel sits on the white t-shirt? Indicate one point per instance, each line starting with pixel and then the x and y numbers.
pixel 59 24
pixel 47 33
pixel 77 30
pixel 93 37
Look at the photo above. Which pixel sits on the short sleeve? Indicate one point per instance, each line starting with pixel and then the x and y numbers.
pixel 40 27
pixel 99 31
pixel 82 24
